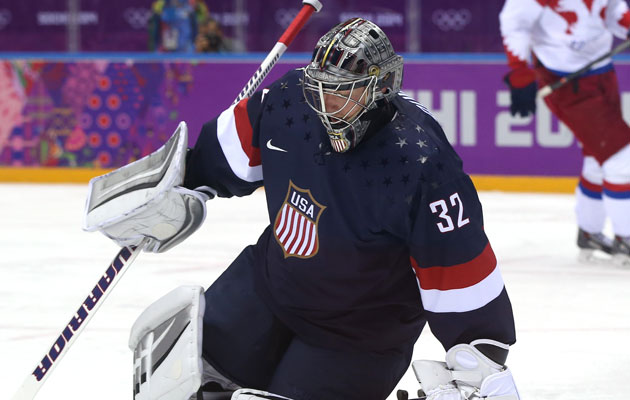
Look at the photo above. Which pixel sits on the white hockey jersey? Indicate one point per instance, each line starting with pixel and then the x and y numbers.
pixel 564 35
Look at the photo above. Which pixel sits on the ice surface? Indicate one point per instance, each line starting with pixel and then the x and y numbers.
pixel 572 320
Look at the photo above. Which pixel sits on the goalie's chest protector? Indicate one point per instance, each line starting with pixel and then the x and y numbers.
pixel 331 247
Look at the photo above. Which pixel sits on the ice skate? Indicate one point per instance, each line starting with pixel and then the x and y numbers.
pixel 594 247
pixel 621 251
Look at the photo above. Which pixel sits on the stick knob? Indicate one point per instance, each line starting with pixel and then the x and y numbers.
pixel 316 4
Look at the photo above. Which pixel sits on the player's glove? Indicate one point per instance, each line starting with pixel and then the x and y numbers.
pixel 145 199
pixel 468 374
pixel 522 84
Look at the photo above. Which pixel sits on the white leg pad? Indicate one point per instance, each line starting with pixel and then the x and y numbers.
pixel 166 341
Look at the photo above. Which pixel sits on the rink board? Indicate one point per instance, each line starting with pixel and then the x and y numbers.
pixel 66 119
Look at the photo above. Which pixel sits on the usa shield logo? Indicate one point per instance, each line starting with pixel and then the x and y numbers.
pixel 295 228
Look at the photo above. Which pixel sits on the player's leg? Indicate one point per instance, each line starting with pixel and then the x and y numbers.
pixel 616 196
pixel 310 372
pixel 590 212
pixel 242 339
pixel 592 111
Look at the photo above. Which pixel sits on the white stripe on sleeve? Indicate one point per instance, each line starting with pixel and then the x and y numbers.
pixel 232 149
pixel 466 299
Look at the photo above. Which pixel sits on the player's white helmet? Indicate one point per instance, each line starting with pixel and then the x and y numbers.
pixel 354 66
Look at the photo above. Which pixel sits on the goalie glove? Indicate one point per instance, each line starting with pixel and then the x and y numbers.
pixel 468 374
pixel 144 199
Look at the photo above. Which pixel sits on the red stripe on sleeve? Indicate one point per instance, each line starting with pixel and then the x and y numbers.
pixel 457 276
pixel 245 133
pixel 625 20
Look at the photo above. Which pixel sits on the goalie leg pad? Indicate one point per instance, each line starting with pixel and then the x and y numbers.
pixel 166 341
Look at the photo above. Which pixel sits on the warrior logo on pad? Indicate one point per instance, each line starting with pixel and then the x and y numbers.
pixel 295 228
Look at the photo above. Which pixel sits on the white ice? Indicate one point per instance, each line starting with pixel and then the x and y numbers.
pixel 572 320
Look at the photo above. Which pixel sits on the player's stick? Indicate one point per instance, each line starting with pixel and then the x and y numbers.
pixel 125 257
pixel 546 90
pixel 78 322
pixel 278 49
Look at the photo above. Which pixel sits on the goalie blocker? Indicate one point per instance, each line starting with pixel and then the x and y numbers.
pixel 145 199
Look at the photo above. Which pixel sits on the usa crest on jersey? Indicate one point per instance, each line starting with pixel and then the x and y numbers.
pixel 295 228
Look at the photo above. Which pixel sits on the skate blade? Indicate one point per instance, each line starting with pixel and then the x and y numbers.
pixel 621 260
pixel 591 256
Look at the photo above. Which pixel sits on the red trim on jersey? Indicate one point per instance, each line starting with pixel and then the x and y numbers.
pixel 542 2
pixel 245 133
pixel 594 187
pixel 619 188
pixel 513 61
pixel 625 20
pixel 569 16
pixel 457 276
pixel 589 5
pixel 602 13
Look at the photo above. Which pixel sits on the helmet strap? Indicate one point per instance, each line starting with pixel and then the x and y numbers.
pixel 378 117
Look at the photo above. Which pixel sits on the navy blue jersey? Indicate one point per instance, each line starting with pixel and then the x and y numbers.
pixel 362 247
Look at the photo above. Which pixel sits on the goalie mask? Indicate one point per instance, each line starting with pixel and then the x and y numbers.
pixel 354 68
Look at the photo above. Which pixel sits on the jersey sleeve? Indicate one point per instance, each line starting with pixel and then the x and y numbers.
pixel 226 156
pixel 460 284
pixel 516 20
pixel 617 18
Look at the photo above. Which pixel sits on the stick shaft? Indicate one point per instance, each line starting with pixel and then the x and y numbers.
pixel 277 51
pixel 546 90
pixel 78 322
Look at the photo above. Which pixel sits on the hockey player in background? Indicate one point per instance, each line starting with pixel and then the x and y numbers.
pixel 562 37
pixel 374 231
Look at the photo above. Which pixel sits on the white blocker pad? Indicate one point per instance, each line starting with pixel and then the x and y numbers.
pixel 144 199
pixel 166 341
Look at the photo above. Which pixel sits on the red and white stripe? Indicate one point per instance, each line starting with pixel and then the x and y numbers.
pixel 460 288
pixel 339 145
pixel 234 132
pixel 296 233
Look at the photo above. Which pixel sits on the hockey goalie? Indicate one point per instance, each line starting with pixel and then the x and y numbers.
pixel 374 231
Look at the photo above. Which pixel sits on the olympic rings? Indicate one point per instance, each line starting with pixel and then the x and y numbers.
pixel 5 17
pixel 451 19
pixel 138 18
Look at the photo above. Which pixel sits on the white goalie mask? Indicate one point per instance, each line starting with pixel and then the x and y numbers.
pixel 353 67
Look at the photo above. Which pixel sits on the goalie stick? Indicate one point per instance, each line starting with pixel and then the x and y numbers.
pixel 278 49
pixel 78 322
pixel 125 257
pixel 546 90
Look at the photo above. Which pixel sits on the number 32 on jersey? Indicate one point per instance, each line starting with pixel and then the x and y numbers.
pixel 443 210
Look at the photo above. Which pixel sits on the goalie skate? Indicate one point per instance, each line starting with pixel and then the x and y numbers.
pixel 594 247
